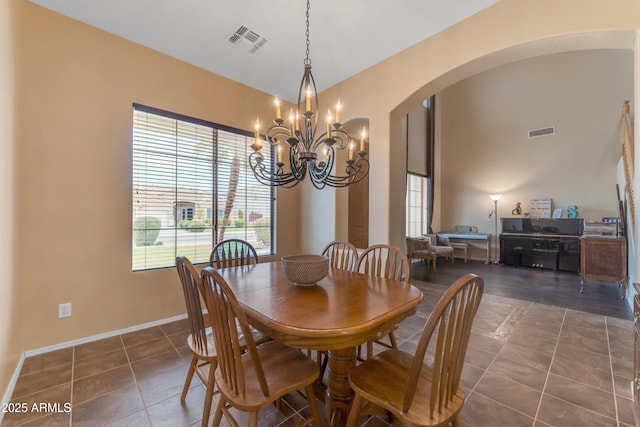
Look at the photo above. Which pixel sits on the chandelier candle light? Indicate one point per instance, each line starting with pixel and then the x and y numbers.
pixel 304 146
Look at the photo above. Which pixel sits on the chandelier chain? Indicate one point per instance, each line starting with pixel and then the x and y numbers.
pixel 307 61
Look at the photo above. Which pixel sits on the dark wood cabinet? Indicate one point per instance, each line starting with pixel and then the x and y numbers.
pixel 604 258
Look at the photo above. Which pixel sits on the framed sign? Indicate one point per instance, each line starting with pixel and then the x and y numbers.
pixel 541 208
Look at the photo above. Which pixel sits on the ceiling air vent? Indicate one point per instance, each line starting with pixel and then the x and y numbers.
pixel 534 133
pixel 247 38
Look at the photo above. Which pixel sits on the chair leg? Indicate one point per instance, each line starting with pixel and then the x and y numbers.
pixel 323 368
pixel 253 419
pixel 218 416
pixel 311 398
pixel 356 406
pixel 392 339
pixel 187 381
pixel 208 398
pixel 455 422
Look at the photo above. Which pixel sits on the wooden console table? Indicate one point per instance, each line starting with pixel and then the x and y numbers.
pixel 604 258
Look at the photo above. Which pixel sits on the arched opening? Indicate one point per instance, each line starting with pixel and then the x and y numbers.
pixel 576 42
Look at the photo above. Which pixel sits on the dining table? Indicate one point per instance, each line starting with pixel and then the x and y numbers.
pixel 337 314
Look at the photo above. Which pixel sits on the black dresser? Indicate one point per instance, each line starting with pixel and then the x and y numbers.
pixel 541 243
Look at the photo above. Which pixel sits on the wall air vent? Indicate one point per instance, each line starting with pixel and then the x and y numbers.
pixel 243 36
pixel 534 133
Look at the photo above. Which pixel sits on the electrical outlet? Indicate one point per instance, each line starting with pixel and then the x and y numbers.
pixel 64 310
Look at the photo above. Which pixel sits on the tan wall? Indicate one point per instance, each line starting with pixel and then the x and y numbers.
pixel 485 121
pixel 508 31
pixel 74 175
pixel 10 350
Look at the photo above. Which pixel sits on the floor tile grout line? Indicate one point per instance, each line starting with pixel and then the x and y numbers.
pixel 613 379
pixel 73 374
pixel 135 380
pixel 491 363
pixel 504 405
pixel 553 356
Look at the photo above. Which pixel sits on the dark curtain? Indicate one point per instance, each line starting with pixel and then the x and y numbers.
pixel 431 104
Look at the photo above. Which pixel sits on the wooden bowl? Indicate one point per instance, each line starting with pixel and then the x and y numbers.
pixel 305 270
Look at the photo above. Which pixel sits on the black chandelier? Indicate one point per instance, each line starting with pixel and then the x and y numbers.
pixel 308 151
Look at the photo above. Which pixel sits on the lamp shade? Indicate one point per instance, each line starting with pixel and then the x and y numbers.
pixel 495 197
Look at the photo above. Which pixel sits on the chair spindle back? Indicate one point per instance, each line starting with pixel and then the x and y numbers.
pixel 386 261
pixel 342 255
pixel 450 325
pixel 226 315
pixel 233 253
pixel 190 280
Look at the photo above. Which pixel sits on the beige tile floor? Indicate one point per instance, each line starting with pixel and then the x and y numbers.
pixel 527 364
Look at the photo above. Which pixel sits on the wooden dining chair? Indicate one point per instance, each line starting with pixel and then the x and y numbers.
pixel 232 253
pixel 386 261
pixel 200 341
pixel 416 393
pixel 251 380
pixel 342 255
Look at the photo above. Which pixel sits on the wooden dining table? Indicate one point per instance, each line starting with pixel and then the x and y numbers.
pixel 339 313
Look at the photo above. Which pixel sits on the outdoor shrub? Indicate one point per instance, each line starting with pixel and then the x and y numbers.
pixel 192 226
pixel 146 230
pixel 262 228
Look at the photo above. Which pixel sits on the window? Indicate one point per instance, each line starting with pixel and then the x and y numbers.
pixel 186 170
pixel 416 205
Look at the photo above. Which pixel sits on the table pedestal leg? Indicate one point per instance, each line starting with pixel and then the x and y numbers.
pixel 339 393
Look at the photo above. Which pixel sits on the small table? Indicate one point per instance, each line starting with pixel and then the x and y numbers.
pixel 342 311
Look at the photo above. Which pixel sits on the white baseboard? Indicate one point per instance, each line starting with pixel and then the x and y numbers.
pixel 12 384
pixel 14 379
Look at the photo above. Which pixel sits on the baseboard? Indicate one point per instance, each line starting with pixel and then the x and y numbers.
pixel 12 384
pixel 109 334
pixel 9 392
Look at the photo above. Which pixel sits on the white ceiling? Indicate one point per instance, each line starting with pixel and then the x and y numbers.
pixel 347 36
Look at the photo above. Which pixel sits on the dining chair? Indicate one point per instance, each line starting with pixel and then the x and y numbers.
pixel 342 254
pixel 417 393
pixel 386 261
pixel 232 253
pixel 200 341
pixel 251 380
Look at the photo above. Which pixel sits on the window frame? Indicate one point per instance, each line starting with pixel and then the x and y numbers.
pixel 410 207
pixel 218 186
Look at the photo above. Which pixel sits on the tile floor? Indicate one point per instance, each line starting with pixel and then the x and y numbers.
pixel 527 364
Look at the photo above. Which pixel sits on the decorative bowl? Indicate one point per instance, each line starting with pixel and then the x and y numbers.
pixel 305 270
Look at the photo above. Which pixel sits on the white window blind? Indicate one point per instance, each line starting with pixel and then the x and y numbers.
pixel 192 187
